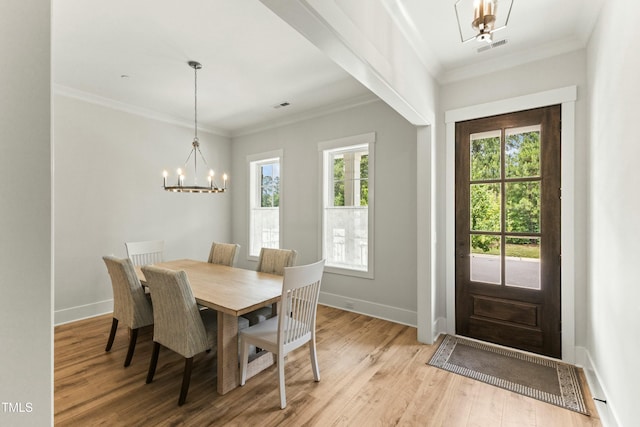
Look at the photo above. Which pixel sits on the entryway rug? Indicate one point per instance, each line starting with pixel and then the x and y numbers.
pixel 537 377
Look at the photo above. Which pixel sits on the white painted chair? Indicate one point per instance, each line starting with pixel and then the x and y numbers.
pixel 224 253
pixel 294 326
pixel 145 253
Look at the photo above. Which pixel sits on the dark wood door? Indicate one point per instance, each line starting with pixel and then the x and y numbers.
pixel 508 230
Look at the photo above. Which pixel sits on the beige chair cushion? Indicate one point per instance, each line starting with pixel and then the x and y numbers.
pixel 178 323
pixel 275 260
pixel 130 306
pixel 224 253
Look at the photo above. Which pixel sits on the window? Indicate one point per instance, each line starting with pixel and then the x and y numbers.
pixel 265 190
pixel 347 223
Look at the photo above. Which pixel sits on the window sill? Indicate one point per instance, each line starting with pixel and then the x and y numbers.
pixel 349 272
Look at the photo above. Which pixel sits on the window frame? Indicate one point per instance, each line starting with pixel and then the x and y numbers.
pixel 325 148
pixel 254 162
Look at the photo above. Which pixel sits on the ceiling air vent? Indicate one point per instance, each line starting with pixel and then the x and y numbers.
pixel 492 45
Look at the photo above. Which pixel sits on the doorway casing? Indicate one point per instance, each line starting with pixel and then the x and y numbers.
pixel 565 96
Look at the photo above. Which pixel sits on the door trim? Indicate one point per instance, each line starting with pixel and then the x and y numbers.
pixel 567 97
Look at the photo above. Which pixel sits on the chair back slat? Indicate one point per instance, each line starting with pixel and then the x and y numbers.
pixel 300 293
pixel 145 253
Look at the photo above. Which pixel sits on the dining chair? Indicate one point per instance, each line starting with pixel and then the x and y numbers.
pixel 224 253
pixel 275 260
pixel 130 306
pixel 147 252
pixel 294 326
pixel 272 261
pixel 178 323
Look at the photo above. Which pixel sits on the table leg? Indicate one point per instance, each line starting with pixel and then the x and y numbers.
pixel 227 352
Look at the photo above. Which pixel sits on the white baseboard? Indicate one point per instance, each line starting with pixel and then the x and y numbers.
pixel 381 311
pixel 80 312
pixel 605 408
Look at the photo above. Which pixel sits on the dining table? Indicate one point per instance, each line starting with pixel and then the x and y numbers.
pixel 232 292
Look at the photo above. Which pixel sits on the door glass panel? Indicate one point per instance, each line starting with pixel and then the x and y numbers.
pixel 523 207
pixel 485 259
pixel 522 152
pixel 522 262
pixel 485 155
pixel 485 207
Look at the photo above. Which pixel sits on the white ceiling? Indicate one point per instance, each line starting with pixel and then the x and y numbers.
pixel 252 60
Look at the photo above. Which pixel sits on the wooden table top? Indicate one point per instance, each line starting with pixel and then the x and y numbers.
pixel 231 290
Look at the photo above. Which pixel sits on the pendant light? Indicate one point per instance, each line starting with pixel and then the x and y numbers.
pixel 180 187
pixel 486 19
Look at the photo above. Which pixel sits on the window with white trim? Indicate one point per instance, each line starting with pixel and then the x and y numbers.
pixel 347 214
pixel 265 181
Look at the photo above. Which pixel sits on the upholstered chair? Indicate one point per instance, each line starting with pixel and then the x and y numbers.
pixel 224 253
pixel 272 261
pixel 178 323
pixel 130 306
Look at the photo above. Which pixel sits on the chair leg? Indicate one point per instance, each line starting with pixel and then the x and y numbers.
pixel 186 379
pixel 154 362
pixel 314 360
pixel 244 360
pixel 133 337
pixel 112 334
pixel 283 396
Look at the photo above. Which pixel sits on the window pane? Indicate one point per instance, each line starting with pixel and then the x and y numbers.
pixel 523 207
pixel 265 229
pixel 522 152
pixel 346 242
pixel 485 259
pixel 270 185
pixel 485 155
pixel 522 262
pixel 264 212
pixel 346 216
pixel 485 207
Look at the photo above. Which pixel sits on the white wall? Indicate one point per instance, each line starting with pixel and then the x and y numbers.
pixel 539 76
pixel 25 213
pixel 108 189
pixel 613 309
pixel 392 293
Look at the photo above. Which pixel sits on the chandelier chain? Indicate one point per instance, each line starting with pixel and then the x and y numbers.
pixel 195 103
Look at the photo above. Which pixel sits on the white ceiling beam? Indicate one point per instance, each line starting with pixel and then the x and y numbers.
pixel 364 40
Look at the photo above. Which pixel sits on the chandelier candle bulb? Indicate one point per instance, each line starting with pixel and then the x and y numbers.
pixel 164 178
pixel 224 178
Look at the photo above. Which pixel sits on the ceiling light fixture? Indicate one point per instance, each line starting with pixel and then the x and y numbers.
pixel 195 150
pixel 486 19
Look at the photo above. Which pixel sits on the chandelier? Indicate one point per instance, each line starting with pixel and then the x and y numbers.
pixel 212 187
pixel 486 19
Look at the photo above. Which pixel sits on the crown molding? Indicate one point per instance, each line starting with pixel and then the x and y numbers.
pixel 131 109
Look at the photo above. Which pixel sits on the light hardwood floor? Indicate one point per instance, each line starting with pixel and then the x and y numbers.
pixel 373 372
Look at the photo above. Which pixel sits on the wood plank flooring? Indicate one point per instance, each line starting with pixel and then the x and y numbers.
pixel 373 372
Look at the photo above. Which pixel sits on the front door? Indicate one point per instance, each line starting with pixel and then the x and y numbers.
pixel 508 230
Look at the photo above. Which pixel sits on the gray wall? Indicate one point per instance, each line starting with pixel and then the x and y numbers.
pixel 392 293
pixel 25 213
pixel 613 304
pixel 108 177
